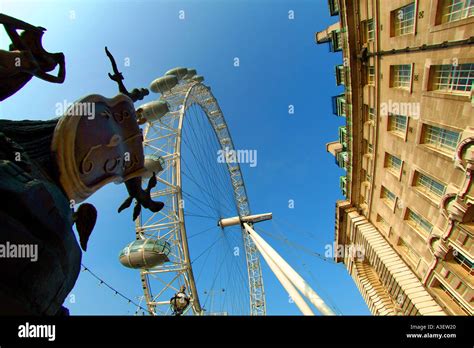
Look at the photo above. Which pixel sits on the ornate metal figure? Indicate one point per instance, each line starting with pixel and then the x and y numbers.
pixel 47 167
pixel 26 58
pixel 180 301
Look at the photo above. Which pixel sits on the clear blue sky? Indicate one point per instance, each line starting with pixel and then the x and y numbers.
pixel 280 64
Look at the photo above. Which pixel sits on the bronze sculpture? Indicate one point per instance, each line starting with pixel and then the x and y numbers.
pixel 48 167
pixel 26 58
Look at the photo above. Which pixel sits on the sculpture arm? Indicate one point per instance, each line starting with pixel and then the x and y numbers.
pixel 17 43
pixel 61 73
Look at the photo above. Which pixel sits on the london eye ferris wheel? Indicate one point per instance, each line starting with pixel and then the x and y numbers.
pixel 200 254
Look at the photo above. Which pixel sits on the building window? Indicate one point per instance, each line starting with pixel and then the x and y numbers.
pixel 409 252
pixel 464 262
pixel 429 186
pixel 384 225
pixel 440 138
pixel 370 148
pixel 403 20
pixel 371 29
pixel 453 79
pixel 448 295
pixel 393 164
pixel 397 124
pixel 455 10
pixel 368 177
pixel 388 197
pixel 463 235
pixel 401 76
pixel 371 114
pixel 371 75
pixel 418 223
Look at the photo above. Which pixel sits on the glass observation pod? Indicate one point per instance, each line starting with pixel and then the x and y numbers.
pixel 179 72
pixel 198 78
pixel 145 253
pixel 153 164
pixel 225 141
pixel 152 111
pixel 171 78
pixel 163 84
pixel 191 73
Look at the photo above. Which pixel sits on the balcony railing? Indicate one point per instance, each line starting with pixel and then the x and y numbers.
pixel 340 75
pixel 341 159
pixel 343 185
pixel 343 137
pixel 339 105
pixel 335 44
pixel 333 7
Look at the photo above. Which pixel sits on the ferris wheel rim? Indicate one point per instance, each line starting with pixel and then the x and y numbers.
pixel 241 203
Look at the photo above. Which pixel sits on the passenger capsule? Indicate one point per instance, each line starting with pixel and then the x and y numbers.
pixel 191 73
pixel 153 164
pixel 145 253
pixel 163 84
pixel 179 72
pixel 198 78
pixel 152 111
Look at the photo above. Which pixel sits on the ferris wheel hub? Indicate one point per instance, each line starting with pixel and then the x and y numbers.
pixel 237 220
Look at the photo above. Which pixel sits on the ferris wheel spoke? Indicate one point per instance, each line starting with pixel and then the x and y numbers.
pixel 210 146
pixel 234 288
pixel 239 242
pixel 203 190
pixel 214 280
pixel 238 283
pixel 196 148
pixel 207 251
pixel 213 142
pixel 217 175
pixel 204 178
pixel 217 213
pixel 202 156
pixel 200 216
pixel 201 232
pixel 201 204
pixel 223 178
pixel 198 189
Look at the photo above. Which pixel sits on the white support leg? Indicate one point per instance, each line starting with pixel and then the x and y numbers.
pixel 289 272
pixel 285 282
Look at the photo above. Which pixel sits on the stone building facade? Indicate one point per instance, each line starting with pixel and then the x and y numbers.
pixel 408 151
